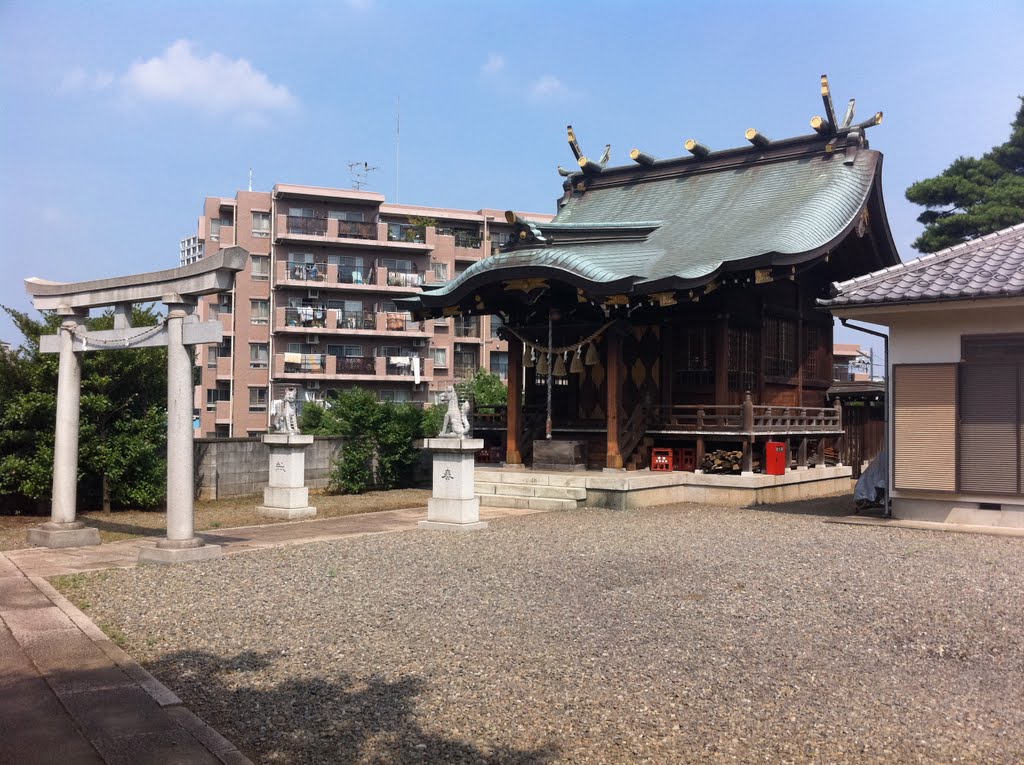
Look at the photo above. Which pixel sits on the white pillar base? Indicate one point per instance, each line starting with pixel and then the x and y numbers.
pixel 442 526
pixel 286 513
pixel 58 535
pixel 163 553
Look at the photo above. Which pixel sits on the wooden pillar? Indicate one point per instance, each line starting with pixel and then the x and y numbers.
pixel 722 360
pixel 613 370
pixel 514 410
pixel 747 465
pixel 799 347
pixel 700 453
pixel 801 453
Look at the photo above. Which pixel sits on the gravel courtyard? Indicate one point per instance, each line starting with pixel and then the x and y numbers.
pixel 680 635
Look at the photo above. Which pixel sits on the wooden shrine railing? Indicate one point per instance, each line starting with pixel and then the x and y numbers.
pixel 747 418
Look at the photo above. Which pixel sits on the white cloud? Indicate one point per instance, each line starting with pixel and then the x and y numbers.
pixel 494 64
pixel 548 87
pixel 78 80
pixel 213 84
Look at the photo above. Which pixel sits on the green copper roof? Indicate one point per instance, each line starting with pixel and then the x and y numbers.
pixel 680 222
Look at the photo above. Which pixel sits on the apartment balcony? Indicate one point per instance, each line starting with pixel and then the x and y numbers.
pixel 349 233
pixel 222 411
pixel 357 320
pixel 407 232
pixel 305 318
pixel 467 329
pixel 223 367
pixel 321 275
pixel 298 366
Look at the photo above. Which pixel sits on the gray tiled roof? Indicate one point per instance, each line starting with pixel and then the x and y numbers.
pixel 706 219
pixel 989 266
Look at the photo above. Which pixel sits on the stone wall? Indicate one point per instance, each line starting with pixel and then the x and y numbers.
pixel 234 467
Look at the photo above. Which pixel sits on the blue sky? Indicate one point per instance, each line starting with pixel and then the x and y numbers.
pixel 117 118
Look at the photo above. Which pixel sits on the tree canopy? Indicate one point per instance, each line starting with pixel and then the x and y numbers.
pixel 123 423
pixel 973 197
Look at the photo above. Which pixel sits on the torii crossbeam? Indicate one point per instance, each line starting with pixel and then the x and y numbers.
pixel 178 289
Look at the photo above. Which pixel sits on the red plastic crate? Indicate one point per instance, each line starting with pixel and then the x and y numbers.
pixel 661 460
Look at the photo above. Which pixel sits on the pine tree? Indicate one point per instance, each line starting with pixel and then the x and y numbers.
pixel 973 197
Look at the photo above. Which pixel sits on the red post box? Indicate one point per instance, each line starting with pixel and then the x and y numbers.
pixel 775 458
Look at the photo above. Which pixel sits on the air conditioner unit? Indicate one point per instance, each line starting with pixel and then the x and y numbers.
pixel 314 339
pixel 313 385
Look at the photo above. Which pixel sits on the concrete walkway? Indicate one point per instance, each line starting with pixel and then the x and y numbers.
pixel 69 695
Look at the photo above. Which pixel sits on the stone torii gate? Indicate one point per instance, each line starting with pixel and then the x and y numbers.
pixel 178 289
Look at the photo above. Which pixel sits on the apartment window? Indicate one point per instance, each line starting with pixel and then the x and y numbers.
pixel 224 304
pixel 496 323
pixel 389 350
pixel 261 224
pixel 400 265
pixel 259 311
pixel 396 396
pixel 354 217
pixel 499 364
pixel 211 356
pixel 440 356
pixel 257 399
pixel 340 351
pixel 221 393
pixel 260 268
pixel 222 431
pixel 224 348
pixel 215 229
pixel 300 212
pixel 440 271
pixel 259 355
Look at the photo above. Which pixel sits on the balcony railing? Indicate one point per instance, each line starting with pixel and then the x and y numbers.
pixel 407 232
pixel 465 371
pixel 305 317
pixel 307 226
pixel 404 278
pixel 348 229
pixel 311 363
pixel 355 365
pixel 463 238
pixel 357 320
pixel 307 272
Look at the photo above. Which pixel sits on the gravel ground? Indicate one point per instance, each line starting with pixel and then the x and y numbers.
pixel 214 514
pixel 683 634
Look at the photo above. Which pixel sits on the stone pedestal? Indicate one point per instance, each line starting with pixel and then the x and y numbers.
pixel 454 505
pixel 287 495
pixel 74 534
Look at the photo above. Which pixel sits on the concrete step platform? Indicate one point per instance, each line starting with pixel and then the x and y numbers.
pixel 530 490
pixel 531 503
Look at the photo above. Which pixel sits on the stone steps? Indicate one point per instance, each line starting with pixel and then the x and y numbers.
pixel 535 491
pixel 530 503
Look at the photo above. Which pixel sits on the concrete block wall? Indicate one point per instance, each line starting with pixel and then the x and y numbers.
pixel 234 467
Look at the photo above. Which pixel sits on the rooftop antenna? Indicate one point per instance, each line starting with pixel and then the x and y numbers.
pixel 250 179
pixel 359 172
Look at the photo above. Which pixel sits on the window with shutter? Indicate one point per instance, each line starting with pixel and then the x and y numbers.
pixel 924 426
pixel 989 425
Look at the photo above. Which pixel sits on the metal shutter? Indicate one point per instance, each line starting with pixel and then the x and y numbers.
pixel 988 429
pixel 924 426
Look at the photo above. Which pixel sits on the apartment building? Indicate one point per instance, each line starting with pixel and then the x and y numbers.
pixel 316 305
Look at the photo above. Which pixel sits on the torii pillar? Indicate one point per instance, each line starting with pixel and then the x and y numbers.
pixel 179 289
pixel 64 529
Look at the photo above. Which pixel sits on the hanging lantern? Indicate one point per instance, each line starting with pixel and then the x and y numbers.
pixel 577 362
pixel 592 357
pixel 542 364
pixel 528 357
pixel 560 365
